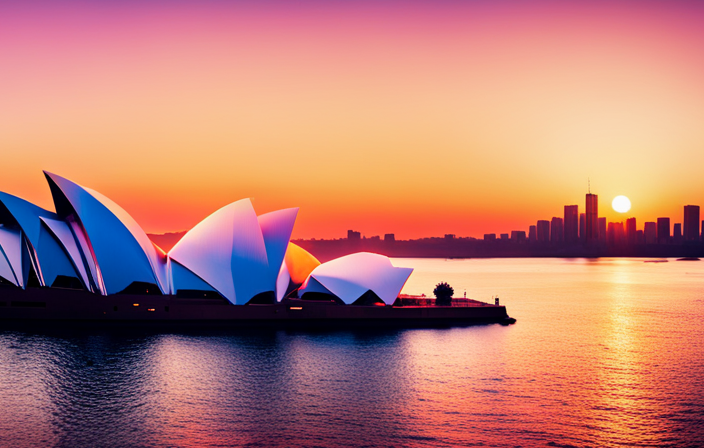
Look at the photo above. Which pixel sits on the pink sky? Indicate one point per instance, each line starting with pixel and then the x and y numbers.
pixel 434 118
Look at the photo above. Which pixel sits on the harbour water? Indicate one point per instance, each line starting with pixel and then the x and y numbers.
pixel 606 352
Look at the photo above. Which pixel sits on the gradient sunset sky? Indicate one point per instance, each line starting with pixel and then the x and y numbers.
pixel 418 118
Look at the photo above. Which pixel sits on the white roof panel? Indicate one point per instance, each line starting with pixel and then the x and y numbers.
pixel 227 250
pixel 349 277
pixel 185 279
pixel 11 243
pixel 122 251
pixel 62 232
pixel 282 282
pixel 27 215
pixel 6 271
pixel 55 261
pixel 276 229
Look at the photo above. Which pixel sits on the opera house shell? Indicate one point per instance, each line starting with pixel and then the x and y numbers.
pixel 90 243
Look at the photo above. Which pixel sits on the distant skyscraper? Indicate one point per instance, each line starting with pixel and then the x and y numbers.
pixel 532 234
pixel 691 223
pixel 518 236
pixel 631 231
pixel 571 223
pixel 390 237
pixel 592 210
pixel 504 237
pixel 582 227
pixel 353 236
pixel 602 229
pixel 489 237
pixel 615 236
pixel 677 233
pixel 619 233
pixel 557 233
pixel 543 228
pixel 663 230
pixel 650 233
pixel 640 238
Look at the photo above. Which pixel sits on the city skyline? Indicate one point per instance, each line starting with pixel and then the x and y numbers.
pixel 427 119
pixel 554 230
pixel 659 239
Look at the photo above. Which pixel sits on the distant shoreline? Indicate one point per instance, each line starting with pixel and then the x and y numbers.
pixel 459 248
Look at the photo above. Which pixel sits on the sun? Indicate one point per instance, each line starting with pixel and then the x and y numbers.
pixel 621 204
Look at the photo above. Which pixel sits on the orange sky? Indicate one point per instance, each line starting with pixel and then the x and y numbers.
pixel 424 120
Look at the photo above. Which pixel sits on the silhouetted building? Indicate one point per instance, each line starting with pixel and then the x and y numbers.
pixel 489 237
pixel 615 235
pixel 449 236
pixel 571 223
pixel 610 234
pixel 650 233
pixel 592 210
pixel 640 238
pixel 518 236
pixel 389 237
pixel 543 228
pixel 631 231
pixel 582 227
pixel 663 230
pixel 556 231
pixel 532 234
pixel 619 233
pixel 504 237
pixel 354 236
pixel 691 223
pixel 677 233
pixel 375 238
pixel 602 229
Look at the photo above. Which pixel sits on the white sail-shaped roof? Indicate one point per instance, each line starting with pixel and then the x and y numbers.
pixel 276 229
pixel 313 285
pixel 54 261
pixel 27 215
pixel 227 250
pixel 351 276
pixel 6 271
pixel 184 279
pixel 232 252
pixel 122 251
pixel 299 263
pixel 11 245
pixel 46 251
pixel 282 282
pixel 62 232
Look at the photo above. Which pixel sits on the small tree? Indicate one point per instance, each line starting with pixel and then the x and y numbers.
pixel 443 294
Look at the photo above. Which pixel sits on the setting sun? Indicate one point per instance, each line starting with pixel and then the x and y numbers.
pixel 621 204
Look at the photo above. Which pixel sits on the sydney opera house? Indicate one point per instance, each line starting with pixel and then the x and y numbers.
pixel 91 260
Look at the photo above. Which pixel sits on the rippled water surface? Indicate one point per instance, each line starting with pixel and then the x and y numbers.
pixel 605 352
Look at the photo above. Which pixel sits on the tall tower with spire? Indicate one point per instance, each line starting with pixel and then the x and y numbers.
pixel 592 216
